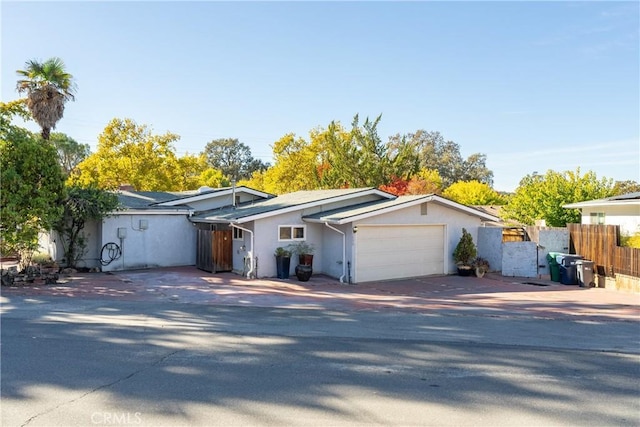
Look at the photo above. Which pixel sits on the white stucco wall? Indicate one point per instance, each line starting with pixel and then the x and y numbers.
pixel 169 240
pixel 332 251
pixel 267 240
pixel 551 240
pixel 51 243
pixel 627 217
pixel 490 246
pixel 519 259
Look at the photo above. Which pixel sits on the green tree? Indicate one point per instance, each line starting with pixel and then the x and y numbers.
pixel 31 183
pixel 359 158
pixel 542 196
pixel 70 152
pixel 48 87
pixel 434 152
pixel 233 158
pixel 473 193
pixel 81 205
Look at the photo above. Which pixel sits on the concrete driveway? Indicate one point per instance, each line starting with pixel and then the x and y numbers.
pixel 492 295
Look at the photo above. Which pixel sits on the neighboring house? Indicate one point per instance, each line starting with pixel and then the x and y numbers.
pixel 359 234
pixel 623 210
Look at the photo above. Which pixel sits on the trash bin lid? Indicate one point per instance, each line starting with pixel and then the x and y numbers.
pixel 565 259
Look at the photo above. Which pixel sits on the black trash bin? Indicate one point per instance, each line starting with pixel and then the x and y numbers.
pixel 586 276
pixel 568 268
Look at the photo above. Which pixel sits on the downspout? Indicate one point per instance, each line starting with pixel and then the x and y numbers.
pixel 344 251
pixel 250 253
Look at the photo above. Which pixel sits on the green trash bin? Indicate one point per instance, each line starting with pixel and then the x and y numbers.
pixel 554 267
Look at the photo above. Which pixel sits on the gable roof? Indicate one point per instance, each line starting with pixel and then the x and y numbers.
pixel 204 193
pixel 366 210
pixel 285 203
pixel 620 200
pixel 177 200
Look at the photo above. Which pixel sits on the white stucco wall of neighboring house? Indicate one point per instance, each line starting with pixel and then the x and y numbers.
pixel 627 217
pixel 169 240
pixel 453 220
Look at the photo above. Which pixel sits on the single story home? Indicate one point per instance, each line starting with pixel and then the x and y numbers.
pixel 359 234
pixel 622 210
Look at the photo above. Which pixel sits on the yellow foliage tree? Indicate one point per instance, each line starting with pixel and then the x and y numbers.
pixel 129 153
pixel 426 181
pixel 473 193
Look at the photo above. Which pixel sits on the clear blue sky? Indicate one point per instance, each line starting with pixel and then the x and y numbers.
pixel 533 85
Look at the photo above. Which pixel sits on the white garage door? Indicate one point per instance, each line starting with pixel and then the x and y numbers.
pixel 398 251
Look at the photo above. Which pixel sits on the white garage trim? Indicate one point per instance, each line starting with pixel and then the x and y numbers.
pixel 385 252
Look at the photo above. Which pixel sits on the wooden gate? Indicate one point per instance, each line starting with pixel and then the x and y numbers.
pixel 215 250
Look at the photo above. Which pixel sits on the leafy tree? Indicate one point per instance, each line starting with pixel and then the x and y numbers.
pixel 48 87
pixel 233 158
pixel 81 205
pixel 426 181
pixel 359 158
pixel 70 152
pixel 444 156
pixel 624 187
pixel 542 196
pixel 31 183
pixel 398 186
pixel 213 178
pixel 473 193
pixel 294 168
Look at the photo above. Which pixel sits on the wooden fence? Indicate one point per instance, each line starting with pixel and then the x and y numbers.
pixel 599 243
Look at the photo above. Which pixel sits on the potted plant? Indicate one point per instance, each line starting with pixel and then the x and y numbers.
pixel 481 266
pixel 304 269
pixel 464 253
pixel 283 262
pixel 304 251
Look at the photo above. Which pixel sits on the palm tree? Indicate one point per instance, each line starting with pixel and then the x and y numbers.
pixel 48 88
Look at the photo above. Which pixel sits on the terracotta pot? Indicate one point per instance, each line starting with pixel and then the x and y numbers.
pixel 305 259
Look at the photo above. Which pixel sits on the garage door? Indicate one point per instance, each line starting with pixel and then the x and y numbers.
pixel 398 251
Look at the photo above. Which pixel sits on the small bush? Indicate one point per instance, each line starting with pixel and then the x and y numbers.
pixel 630 241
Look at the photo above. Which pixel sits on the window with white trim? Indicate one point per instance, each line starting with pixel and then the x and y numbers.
pixel 597 217
pixel 238 234
pixel 291 232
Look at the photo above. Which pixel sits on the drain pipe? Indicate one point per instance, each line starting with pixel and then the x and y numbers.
pixel 250 253
pixel 344 251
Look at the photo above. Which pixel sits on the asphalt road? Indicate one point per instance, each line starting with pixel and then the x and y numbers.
pixel 101 362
